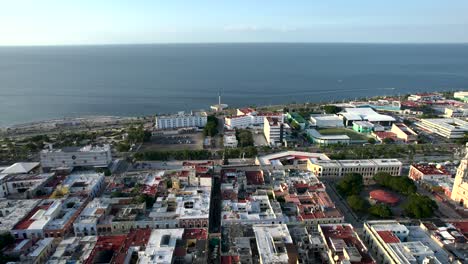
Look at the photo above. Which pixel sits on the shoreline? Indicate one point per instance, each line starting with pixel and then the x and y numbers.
pixel 103 119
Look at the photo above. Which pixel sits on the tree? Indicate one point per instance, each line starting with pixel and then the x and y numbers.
pixel 371 140
pixel 380 210
pixel 244 137
pixel 419 206
pixel 357 203
pixel 350 184
pixel 210 129
pixel 401 184
pixel 331 109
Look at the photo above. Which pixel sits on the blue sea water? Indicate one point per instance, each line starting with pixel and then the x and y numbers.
pixel 38 83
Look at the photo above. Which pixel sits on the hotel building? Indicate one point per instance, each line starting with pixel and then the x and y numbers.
pixel 181 120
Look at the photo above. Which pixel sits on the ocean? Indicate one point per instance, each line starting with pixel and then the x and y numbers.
pixel 40 83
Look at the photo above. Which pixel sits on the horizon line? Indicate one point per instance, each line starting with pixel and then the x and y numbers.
pixel 230 43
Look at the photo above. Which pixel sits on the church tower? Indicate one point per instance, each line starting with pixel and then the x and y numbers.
pixel 460 186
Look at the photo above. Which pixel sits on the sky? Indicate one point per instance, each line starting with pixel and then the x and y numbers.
pixel 75 22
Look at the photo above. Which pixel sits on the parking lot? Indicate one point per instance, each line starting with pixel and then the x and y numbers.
pixel 191 141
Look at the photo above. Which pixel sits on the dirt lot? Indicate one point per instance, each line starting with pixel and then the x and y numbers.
pixel 191 141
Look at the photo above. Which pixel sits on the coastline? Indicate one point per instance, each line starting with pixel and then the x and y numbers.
pixel 90 120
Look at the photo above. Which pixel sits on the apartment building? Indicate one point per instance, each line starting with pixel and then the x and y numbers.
pixel 181 120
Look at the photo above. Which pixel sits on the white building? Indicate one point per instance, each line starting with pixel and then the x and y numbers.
pixel 86 183
pixel 425 97
pixel 187 208
pixel 248 117
pixel 367 168
pixel 258 210
pixel 94 212
pixel 88 156
pixel 365 114
pixel 160 247
pixel 395 243
pixel 326 121
pixel 327 139
pixel 272 241
pixel 32 226
pixel 230 140
pixel 181 120
pixel 13 211
pixel 450 128
pixel 274 130
pixel 23 185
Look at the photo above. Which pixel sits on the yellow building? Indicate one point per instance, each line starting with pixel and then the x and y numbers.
pixel 460 186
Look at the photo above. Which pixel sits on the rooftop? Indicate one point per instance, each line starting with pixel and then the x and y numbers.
pixel 161 245
pixel 88 148
pixel 290 155
pixel 431 169
pixel 272 241
pixel 13 211
pixel 20 168
pixel 366 114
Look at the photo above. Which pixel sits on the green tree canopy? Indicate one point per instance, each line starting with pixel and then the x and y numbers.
pixel 401 184
pixel 419 206
pixel 331 109
pixel 350 184
pixel 380 210
pixel 357 203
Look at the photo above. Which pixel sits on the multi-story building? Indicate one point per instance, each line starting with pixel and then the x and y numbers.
pixel 460 186
pixel 248 117
pixel 274 130
pixel 367 168
pixel 425 97
pixel 351 115
pixel 273 241
pixel 181 120
pixel 343 245
pixel 230 140
pixel 88 156
pixel 394 243
pixel 424 172
pixel 23 185
pixel 451 128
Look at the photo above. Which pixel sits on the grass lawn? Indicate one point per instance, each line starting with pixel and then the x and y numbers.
pixel 353 135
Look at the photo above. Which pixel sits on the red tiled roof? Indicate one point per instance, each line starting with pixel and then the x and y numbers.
pixel 388 237
pixel 429 169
